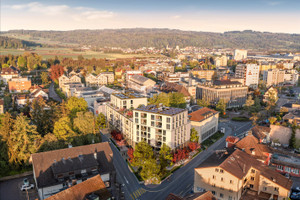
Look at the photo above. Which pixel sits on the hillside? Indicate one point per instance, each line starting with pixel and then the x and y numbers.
pixel 140 37
pixel 13 43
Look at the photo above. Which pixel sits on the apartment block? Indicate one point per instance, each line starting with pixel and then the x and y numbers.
pixel 19 84
pixel 233 92
pixel 204 74
pixel 248 72
pixel 205 122
pixel 103 78
pixel 63 79
pixel 141 84
pixel 6 74
pixel 273 77
pixel 119 112
pixel 238 175
pixel 158 67
pixel 221 61
pixel 291 77
pixel 159 125
pixel 240 54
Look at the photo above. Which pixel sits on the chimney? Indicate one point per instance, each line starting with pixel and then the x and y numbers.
pixel 95 155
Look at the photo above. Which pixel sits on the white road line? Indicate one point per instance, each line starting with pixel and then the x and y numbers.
pixel 126 180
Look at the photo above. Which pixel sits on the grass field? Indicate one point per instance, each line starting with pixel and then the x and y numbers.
pixel 67 52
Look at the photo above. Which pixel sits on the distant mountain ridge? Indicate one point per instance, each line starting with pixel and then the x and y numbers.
pixel 143 37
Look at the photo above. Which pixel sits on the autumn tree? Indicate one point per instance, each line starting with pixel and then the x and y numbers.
pixel 150 171
pixel 101 121
pixel 63 129
pixel 193 146
pixel 56 72
pixel 45 78
pixel 221 106
pixel 23 141
pixel 203 103
pixel 249 102
pixel 194 135
pixel 272 120
pixel 75 105
pixel 84 122
pixel 142 152
pixel 130 154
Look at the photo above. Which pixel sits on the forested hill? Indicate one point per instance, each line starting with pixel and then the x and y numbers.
pixel 141 37
pixel 14 43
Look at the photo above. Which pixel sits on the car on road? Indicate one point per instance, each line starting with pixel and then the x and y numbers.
pixel 27 187
pixel 25 181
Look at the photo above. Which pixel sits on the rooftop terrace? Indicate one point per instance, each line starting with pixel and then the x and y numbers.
pixel 161 110
pixel 129 95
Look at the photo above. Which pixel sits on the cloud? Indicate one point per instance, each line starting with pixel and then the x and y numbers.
pixel 274 3
pixel 78 13
pixel 176 17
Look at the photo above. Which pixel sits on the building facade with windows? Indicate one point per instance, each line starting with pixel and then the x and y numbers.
pixel 159 125
pixel 248 72
pixel 240 54
pixel 205 122
pixel 273 77
pixel 237 176
pixel 233 92
pixel 103 78
pixel 19 84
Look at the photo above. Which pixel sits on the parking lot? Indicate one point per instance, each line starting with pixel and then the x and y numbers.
pixel 10 190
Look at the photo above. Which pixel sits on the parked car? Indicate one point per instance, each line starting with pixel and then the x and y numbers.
pixel 27 187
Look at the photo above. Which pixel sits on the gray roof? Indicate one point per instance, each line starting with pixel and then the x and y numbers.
pixel 138 78
pixel 161 110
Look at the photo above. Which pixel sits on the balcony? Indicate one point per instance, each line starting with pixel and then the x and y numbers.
pixel 144 122
pixel 159 118
pixel 143 115
pixel 158 125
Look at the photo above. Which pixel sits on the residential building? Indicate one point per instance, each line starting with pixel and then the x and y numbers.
pixel 89 94
pixel 248 72
pixel 19 84
pixel 63 79
pixel 175 77
pixel 196 196
pixel 221 61
pixel 273 77
pixel 69 88
pixel 280 134
pixel 292 117
pixel 231 141
pixel 270 95
pixel 265 66
pixel 103 78
pixel 7 74
pixel 1 106
pixel 159 125
pixel 204 73
pixel 93 188
pixel 128 74
pixel 119 112
pixel 205 122
pixel 291 77
pixel 141 84
pixel 238 175
pixel 240 54
pixel 233 92
pixel 54 171
pixel 262 133
pixel 175 87
pixel 158 67
pixel 287 163
pixel 99 105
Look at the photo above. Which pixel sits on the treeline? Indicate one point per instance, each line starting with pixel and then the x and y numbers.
pixel 44 126
pixel 13 43
pixel 141 37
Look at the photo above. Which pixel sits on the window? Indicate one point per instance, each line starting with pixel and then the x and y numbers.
pixel 253 171
pixel 287 169
pixel 251 186
pixel 230 198
pixel 222 179
pixel 214 185
pixel 265 188
pixel 252 178
pixel 245 180
pixel 136 114
pixel 221 171
pixel 136 120
pixel 152 123
pixel 152 117
pixel 131 101
pixel 168 120
pixel 168 126
pixel 164 132
pixel 214 177
pixel 276 189
pixel 231 182
pixel 216 170
pixel 164 139
pixel 295 171
pixel 221 195
pixel 279 167
pixel 213 192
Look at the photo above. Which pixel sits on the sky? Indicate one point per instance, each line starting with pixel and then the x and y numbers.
pixel 195 15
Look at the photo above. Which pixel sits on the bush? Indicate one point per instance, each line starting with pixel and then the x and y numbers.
pixel 240 119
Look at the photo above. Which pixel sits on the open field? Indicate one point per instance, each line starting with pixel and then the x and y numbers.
pixel 67 52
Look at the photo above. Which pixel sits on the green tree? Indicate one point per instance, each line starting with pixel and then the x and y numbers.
pixel 45 78
pixel 249 102
pixel 165 156
pixel 221 106
pixel 22 63
pixel 177 100
pixel 75 105
pixel 101 121
pixel 150 171
pixel 194 135
pixel 142 153
pixel 23 141
pixel 162 98
pixel 63 129
pixel 254 118
pixel 84 122
pixel 203 103
pixel 292 141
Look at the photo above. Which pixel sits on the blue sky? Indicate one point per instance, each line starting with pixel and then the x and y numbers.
pixel 197 15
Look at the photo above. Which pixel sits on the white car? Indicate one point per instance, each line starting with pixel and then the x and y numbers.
pixel 27 187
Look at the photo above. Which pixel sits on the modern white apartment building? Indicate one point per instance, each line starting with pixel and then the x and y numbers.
pixel 248 72
pixel 103 78
pixel 273 77
pixel 63 79
pixel 291 77
pixel 240 54
pixel 119 112
pixel 159 125
pixel 221 61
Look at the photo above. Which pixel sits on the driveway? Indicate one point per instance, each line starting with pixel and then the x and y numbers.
pixel 52 93
pixel 10 190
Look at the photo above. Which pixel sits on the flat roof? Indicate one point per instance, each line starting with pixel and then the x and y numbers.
pixel 129 95
pixel 161 110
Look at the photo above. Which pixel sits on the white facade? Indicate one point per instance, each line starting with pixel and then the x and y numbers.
pixel 250 74
pixel 240 54
pixel 273 77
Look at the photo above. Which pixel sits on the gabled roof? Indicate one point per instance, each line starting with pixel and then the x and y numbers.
pixel 43 162
pixel 174 87
pixel 260 132
pixel 196 196
pixel 239 163
pixel 78 192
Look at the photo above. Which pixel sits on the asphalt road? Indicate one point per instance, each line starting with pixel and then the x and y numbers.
pixel 181 182
pixel 52 93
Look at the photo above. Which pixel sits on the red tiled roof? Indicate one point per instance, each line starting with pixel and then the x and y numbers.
pixel 201 114
pixel 232 139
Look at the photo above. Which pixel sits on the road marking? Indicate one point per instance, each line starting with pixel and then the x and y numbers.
pixel 126 180
pixel 131 196
pixel 134 195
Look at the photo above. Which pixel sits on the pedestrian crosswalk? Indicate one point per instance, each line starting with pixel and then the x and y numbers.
pixel 136 194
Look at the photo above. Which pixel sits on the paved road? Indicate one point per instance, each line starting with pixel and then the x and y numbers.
pixel 52 93
pixel 181 182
